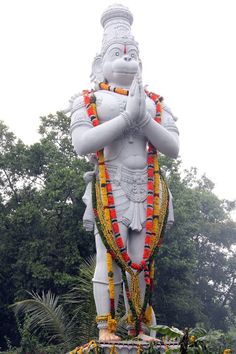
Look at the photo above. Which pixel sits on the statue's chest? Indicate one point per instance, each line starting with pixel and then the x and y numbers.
pixel 110 105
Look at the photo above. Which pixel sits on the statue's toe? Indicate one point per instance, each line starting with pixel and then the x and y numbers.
pixel 147 338
pixel 105 336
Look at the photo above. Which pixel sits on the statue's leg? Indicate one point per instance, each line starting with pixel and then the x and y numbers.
pixel 135 247
pixel 100 286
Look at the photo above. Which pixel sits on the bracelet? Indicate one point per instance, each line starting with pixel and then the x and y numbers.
pixel 106 322
pixel 145 121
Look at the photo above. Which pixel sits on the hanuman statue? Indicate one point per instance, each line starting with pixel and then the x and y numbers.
pixel 121 127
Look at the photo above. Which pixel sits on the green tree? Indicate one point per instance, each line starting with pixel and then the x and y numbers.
pixel 66 321
pixel 42 239
pixel 196 264
pixel 43 242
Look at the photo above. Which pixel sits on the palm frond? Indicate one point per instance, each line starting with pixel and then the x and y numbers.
pixel 83 291
pixel 81 299
pixel 45 312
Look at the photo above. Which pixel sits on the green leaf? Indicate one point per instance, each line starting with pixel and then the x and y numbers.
pixel 171 332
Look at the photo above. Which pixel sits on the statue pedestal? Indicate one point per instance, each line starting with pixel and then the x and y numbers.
pixel 130 347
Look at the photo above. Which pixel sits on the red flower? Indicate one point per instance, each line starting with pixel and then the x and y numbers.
pixel 136 266
pixel 95 122
pixel 150 160
pixel 120 242
pixel 86 99
pixel 147 240
pixel 146 253
pixel 150 186
pixel 113 255
pixel 111 200
pixel 113 213
pixel 149 226
pixel 150 172
pixel 143 264
pixel 115 227
pixel 125 256
pixel 90 111
pixel 109 189
pixel 149 199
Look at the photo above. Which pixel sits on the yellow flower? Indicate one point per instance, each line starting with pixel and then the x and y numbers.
pixel 227 351
pixel 112 324
pixel 192 339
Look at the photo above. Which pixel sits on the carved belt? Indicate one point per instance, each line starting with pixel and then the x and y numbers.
pixel 132 182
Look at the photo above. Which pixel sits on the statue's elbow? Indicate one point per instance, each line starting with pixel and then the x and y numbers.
pixel 175 154
pixel 79 150
pixel 79 147
pixel 175 147
pixel 174 150
pixel 84 147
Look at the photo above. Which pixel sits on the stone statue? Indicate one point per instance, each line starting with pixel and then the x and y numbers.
pixel 121 126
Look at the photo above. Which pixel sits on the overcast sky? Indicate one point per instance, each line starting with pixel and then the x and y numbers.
pixel 188 52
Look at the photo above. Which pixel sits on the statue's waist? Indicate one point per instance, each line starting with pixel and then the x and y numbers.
pixel 129 152
pixel 132 182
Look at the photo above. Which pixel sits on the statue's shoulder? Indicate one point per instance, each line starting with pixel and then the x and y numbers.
pixel 168 112
pixel 77 102
pixel 100 95
pixel 106 100
pixel 78 110
pixel 169 119
pixel 154 97
pixel 105 95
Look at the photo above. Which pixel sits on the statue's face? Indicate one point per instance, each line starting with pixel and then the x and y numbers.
pixel 120 64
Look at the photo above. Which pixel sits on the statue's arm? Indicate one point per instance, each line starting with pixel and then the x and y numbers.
pixel 87 139
pixel 165 136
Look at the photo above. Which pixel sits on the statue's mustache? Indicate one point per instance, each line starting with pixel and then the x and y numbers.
pixel 122 67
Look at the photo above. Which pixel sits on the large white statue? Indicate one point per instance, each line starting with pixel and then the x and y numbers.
pixel 121 126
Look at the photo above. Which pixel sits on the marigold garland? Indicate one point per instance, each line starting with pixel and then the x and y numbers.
pixel 108 227
pixel 111 284
pixel 87 347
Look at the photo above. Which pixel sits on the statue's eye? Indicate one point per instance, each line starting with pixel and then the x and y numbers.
pixel 133 55
pixel 117 53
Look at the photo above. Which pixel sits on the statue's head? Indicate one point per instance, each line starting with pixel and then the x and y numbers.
pixel 119 60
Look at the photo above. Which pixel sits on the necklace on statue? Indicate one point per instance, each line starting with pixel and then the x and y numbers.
pixel 107 87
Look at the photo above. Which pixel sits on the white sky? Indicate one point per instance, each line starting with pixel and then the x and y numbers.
pixel 188 52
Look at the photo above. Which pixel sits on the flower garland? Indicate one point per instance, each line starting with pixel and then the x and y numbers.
pixel 96 348
pixel 91 345
pixel 107 87
pixel 106 219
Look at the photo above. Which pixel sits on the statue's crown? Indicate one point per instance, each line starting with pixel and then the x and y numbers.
pixel 116 21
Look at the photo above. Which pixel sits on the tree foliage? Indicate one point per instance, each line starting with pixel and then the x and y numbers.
pixel 196 266
pixel 42 239
pixel 43 242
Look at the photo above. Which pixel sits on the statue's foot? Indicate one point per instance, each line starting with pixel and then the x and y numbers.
pixel 105 335
pixel 147 338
